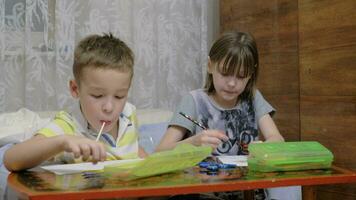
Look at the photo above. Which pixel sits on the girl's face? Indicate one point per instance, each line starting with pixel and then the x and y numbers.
pixel 227 87
pixel 102 94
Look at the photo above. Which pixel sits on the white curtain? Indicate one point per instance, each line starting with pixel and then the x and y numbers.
pixel 170 39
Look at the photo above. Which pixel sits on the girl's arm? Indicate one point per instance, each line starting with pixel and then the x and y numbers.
pixel 39 148
pixel 141 152
pixel 269 129
pixel 175 134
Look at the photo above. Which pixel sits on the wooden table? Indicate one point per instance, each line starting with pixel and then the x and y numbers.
pixel 46 185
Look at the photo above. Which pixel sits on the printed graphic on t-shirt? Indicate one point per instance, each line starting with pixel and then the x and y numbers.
pixel 239 124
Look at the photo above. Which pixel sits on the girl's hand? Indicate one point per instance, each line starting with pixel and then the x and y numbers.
pixel 211 138
pixel 84 147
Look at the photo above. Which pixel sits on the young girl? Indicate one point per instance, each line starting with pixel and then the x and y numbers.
pixel 230 107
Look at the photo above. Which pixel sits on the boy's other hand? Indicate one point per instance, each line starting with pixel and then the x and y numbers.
pixel 84 147
pixel 211 138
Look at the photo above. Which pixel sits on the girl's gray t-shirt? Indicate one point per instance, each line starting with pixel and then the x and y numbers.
pixel 239 123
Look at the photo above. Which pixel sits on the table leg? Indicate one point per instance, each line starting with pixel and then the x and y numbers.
pixel 309 192
pixel 249 194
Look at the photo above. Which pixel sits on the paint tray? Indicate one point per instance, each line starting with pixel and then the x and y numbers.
pixel 288 156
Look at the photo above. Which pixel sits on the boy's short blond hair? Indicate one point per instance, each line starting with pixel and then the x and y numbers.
pixel 102 52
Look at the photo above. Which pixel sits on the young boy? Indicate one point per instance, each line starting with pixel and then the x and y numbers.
pixel 103 70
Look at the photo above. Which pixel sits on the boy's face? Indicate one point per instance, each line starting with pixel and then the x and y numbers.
pixel 227 87
pixel 102 94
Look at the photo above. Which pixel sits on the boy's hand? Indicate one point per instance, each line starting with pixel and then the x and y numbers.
pixel 211 138
pixel 84 147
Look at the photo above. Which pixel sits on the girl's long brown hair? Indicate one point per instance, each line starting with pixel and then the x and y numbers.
pixel 238 52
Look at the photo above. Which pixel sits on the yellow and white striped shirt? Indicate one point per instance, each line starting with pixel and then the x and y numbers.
pixel 74 123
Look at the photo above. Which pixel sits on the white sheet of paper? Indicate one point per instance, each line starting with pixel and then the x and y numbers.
pixel 81 167
pixel 240 161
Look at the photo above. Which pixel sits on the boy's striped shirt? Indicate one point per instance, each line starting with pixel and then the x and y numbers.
pixel 74 123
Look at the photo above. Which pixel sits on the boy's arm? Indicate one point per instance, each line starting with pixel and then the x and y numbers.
pixel 269 129
pixel 32 152
pixel 39 149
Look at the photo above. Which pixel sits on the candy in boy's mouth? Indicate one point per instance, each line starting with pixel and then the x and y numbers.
pixel 107 123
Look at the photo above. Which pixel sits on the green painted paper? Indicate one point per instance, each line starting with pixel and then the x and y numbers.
pixel 182 157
